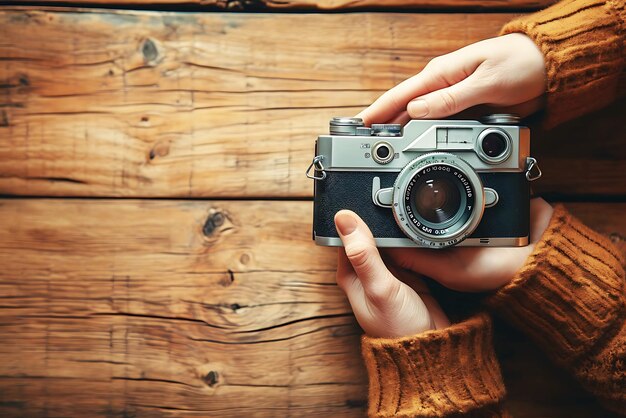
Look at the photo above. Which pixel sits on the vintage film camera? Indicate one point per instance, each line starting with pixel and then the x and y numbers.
pixel 433 184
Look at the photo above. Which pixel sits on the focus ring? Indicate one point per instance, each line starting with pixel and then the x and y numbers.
pixel 409 226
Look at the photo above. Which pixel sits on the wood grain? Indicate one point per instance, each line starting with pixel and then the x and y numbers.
pixel 120 308
pixel 338 5
pixel 139 104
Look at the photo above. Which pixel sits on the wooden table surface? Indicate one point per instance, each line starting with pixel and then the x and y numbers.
pixel 155 245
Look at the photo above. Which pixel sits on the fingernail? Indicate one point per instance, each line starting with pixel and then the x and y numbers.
pixel 345 223
pixel 418 108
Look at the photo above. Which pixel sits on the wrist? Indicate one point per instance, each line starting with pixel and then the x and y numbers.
pixel 394 363
pixel 569 294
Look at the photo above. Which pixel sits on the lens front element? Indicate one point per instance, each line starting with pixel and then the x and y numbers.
pixel 438 200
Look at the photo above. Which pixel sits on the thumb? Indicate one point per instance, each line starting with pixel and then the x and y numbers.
pixel 448 101
pixel 360 247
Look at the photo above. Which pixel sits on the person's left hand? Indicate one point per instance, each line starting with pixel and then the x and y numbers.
pixel 385 304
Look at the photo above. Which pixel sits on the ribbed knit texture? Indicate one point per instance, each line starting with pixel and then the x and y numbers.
pixel 437 373
pixel 569 298
pixel 584 49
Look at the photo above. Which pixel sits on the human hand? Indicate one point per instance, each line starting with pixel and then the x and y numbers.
pixel 475 269
pixel 507 72
pixel 383 305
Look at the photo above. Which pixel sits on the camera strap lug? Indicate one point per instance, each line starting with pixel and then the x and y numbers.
pixel 317 167
pixel 533 172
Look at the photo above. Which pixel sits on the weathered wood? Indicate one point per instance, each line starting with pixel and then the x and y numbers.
pixel 172 307
pixel 112 103
pixel 339 5
pixel 163 308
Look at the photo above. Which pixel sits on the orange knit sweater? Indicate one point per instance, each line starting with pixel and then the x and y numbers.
pixel 583 45
pixel 569 297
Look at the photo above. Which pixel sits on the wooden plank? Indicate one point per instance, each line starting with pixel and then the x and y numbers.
pixel 145 307
pixel 320 5
pixel 111 103
pixel 201 308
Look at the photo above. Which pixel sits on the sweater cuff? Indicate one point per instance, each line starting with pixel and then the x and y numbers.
pixel 583 45
pixel 568 295
pixel 453 370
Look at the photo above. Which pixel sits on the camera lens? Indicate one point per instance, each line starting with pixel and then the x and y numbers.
pixel 382 152
pixel 437 200
pixel 493 144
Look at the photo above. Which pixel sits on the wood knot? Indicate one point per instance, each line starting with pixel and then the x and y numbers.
pixel 227 281
pixel 150 51
pixel 217 226
pixel 213 222
pixel 235 307
pixel 211 378
pixel 160 149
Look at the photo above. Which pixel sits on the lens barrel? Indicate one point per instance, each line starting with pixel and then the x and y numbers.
pixel 438 200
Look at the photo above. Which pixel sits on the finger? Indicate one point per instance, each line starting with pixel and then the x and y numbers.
pixel 438 317
pixel 346 277
pixel 393 102
pixel 364 257
pixel 431 263
pixel 450 100
pixel 441 72
pixel 401 119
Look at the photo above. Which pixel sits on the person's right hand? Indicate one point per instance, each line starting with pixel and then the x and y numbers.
pixel 474 269
pixel 507 72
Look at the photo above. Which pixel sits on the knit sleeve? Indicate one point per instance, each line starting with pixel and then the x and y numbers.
pixel 583 45
pixel 441 373
pixel 569 298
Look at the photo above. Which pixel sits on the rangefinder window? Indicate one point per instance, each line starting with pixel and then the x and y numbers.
pixel 494 146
